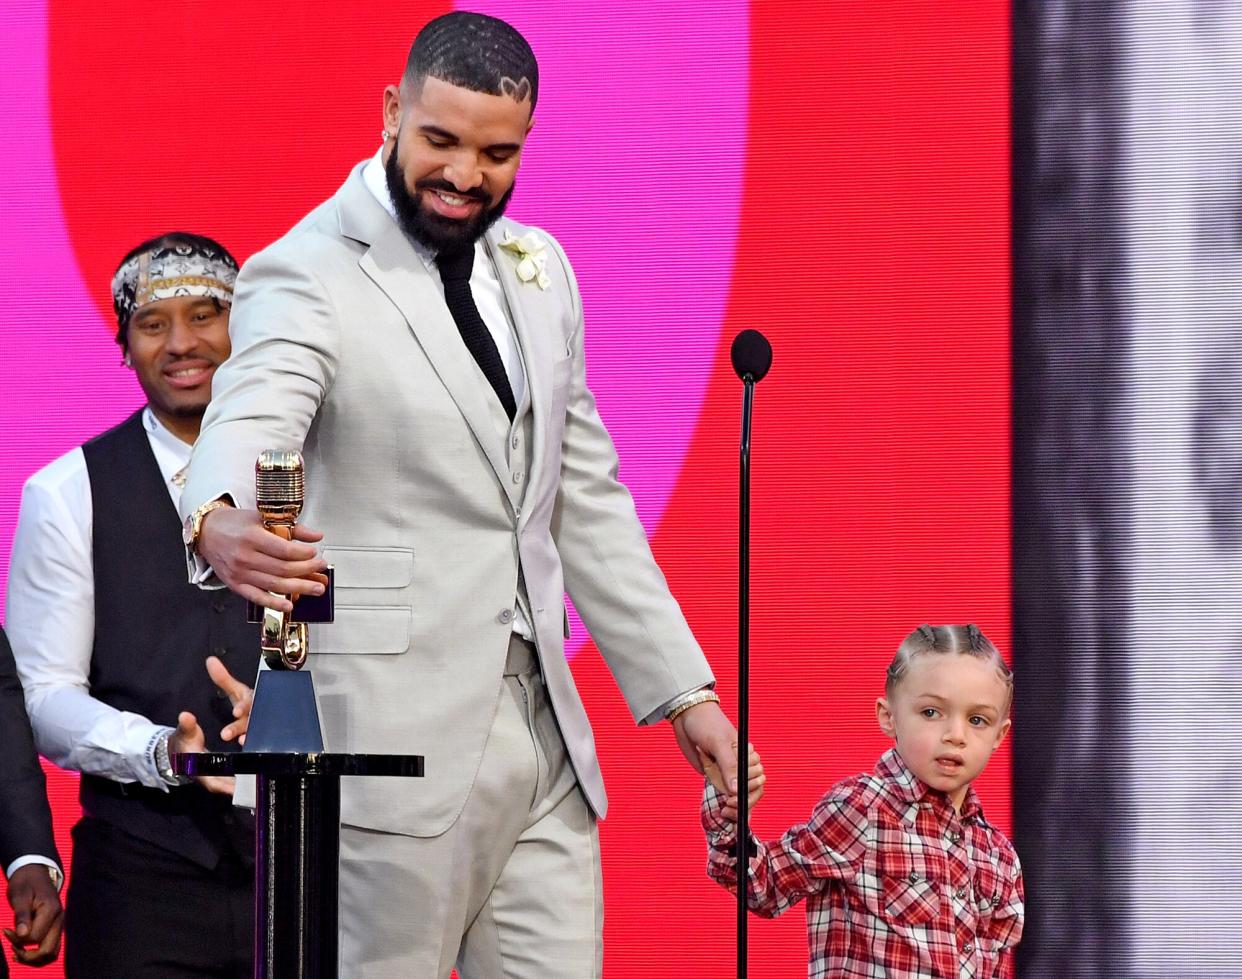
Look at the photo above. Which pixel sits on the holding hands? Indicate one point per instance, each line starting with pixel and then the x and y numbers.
pixel 755 781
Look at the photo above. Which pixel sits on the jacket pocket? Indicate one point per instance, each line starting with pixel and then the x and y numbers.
pixel 374 604
pixel 371 567
pixel 375 629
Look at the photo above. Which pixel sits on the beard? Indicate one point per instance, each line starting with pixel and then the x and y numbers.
pixel 431 230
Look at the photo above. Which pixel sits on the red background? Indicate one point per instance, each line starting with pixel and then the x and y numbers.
pixel 873 252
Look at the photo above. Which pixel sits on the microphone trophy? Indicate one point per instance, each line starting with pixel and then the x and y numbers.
pixel 297 782
pixel 284 716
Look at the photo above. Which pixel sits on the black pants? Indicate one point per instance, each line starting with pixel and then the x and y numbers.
pixel 137 911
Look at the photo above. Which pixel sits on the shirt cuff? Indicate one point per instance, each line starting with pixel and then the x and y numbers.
pixel 717 828
pixel 201 573
pixel 154 777
pixel 58 877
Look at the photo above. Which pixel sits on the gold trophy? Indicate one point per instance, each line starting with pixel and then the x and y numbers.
pixel 279 491
pixel 284 716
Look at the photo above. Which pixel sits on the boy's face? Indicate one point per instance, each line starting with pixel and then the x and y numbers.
pixel 947 716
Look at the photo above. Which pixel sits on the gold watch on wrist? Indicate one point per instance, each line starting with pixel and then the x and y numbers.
pixel 193 525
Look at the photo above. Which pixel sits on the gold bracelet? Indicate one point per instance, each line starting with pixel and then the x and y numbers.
pixel 702 697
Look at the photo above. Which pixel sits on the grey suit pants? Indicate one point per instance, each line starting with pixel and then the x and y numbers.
pixel 511 891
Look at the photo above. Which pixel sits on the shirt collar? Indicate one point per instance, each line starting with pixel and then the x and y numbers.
pixel 165 439
pixel 907 787
pixel 377 183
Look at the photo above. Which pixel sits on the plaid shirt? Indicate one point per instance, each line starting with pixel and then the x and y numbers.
pixel 897 882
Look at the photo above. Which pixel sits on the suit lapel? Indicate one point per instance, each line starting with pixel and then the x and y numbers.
pixel 531 309
pixel 393 265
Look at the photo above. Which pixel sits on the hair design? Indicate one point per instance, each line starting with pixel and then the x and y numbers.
pixel 963 640
pixel 474 51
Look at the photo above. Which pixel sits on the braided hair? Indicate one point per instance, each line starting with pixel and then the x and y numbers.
pixel 964 640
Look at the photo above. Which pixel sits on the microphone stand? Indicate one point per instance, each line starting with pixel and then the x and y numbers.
pixel 743 677
pixel 751 355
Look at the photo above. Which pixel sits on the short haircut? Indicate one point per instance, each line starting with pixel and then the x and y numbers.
pixel 170 239
pixel 477 52
pixel 962 640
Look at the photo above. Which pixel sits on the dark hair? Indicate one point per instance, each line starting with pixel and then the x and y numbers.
pixel 168 240
pixel 474 51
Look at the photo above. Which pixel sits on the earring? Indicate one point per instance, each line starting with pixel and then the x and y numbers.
pixel 125 361
pixel 384 136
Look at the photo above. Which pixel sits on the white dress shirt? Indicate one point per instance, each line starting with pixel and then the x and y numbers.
pixel 51 620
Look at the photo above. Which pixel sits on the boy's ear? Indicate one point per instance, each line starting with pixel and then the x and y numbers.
pixel 1005 725
pixel 884 717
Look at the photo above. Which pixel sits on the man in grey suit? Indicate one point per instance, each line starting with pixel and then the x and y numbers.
pixel 426 356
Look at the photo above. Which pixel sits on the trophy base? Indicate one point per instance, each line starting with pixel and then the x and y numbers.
pixel 284 716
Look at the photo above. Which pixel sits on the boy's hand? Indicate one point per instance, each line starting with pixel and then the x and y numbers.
pixel 755 782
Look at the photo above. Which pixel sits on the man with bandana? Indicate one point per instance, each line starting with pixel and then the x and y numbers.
pixel 426 356
pixel 118 652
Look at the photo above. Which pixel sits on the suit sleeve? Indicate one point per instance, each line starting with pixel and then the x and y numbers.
pixel 285 336
pixel 25 817
pixel 610 572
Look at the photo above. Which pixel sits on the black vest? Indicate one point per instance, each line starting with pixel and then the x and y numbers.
pixel 153 630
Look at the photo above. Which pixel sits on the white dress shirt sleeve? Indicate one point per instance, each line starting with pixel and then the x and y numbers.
pixel 58 877
pixel 50 621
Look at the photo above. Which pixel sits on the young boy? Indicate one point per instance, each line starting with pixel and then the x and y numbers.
pixel 902 874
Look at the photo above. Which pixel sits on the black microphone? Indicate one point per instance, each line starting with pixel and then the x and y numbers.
pixel 751 354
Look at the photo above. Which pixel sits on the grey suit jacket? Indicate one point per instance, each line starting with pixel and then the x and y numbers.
pixel 344 348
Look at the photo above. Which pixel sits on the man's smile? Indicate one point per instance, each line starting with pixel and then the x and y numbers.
pixel 185 374
pixel 451 205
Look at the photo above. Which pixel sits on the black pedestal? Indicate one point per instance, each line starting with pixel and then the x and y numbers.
pixel 297 849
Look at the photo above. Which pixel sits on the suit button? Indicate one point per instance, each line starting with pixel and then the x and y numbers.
pixel 517 512
pixel 219 608
pixel 516 442
pixel 506 615
pixel 517 476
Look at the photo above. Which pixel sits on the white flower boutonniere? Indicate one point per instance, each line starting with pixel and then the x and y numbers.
pixel 531 254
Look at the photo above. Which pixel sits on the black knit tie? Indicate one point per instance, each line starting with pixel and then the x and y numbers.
pixel 455 268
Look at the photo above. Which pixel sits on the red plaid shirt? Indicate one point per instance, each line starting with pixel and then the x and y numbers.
pixel 897 882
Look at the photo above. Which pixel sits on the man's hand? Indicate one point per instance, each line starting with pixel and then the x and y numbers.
pixel 755 782
pixel 37 916
pixel 189 735
pixel 254 562
pixel 240 695
pixel 705 736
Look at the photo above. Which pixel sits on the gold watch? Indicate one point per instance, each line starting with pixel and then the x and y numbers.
pixel 193 525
